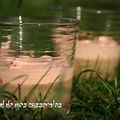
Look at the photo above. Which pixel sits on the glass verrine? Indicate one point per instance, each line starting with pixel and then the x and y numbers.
pixel 36 59
pixel 98 44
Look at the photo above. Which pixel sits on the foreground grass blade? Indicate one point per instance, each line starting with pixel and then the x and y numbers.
pixel 34 88
pixel 19 93
pixel 21 83
pixel 14 79
pixel 10 95
pixel 107 86
pixel 18 6
pixel 94 67
pixel 50 87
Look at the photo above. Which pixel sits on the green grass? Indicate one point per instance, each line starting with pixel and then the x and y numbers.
pixel 91 99
pixel 95 99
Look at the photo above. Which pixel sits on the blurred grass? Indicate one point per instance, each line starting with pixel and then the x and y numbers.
pixel 92 99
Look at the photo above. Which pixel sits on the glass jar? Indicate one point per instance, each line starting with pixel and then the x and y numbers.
pixel 98 41
pixel 36 59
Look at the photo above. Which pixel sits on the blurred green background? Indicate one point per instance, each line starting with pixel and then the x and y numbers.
pixel 46 7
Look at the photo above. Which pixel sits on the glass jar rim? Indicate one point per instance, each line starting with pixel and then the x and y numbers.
pixel 40 21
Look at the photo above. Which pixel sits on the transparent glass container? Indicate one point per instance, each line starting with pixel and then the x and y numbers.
pixel 37 58
pixel 98 41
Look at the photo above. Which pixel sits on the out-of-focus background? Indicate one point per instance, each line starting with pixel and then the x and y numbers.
pixel 94 96
pixel 48 7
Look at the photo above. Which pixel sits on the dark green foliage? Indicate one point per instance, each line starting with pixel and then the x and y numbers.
pixel 95 99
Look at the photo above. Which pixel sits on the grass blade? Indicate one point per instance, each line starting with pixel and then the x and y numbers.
pixel 50 87
pixel 19 93
pixel 21 83
pixel 36 85
pixel 14 79
pixel 18 6
pixel 107 86
pixel 94 67
pixel 10 95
